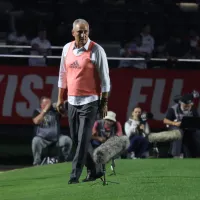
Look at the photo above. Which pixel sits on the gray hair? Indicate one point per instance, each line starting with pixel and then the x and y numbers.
pixel 80 21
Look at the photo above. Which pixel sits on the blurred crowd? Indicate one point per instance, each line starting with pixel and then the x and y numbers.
pixel 147 28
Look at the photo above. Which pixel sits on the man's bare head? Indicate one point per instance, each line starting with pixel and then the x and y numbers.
pixel 80 21
pixel 80 32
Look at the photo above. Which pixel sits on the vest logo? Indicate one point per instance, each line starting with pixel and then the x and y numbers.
pixel 75 65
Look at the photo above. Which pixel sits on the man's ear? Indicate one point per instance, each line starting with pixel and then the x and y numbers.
pixel 73 32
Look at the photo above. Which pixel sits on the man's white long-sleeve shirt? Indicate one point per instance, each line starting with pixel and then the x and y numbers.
pixel 99 59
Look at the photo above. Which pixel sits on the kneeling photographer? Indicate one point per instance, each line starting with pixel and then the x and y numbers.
pixel 187 145
pixel 137 130
pixel 47 131
pixel 102 131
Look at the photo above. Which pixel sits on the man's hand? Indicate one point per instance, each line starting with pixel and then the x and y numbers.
pixel 60 102
pixel 103 111
pixel 60 106
pixel 102 139
pixel 177 124
pixel 142 127
pixel 103 107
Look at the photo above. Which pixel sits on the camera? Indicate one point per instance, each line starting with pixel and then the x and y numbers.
pixel 145 116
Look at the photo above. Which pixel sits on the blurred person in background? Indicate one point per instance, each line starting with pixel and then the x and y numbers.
pixel 137 50
pixel 148 41
pixel 18 38
pixel 189 145
pixel 194 45
pixel 102 130
pixel 125 53
pixel 105 128
pixel 40 46
pixel 47 131
pixel 137 130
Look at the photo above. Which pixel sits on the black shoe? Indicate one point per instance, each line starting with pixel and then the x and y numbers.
pixel 73 181
pixel 89 177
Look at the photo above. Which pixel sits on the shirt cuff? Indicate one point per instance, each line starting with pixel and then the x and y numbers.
pixel 105 88
pixel 62 85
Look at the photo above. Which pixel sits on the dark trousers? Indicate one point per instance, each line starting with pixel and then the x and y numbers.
pixel 139 145
pixel 91 166
pixel 189 144
pixel 81 120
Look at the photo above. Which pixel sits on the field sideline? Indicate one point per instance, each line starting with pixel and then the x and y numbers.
pixel 142 179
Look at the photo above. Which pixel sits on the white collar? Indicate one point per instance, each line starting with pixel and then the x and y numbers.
pixel 86 46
